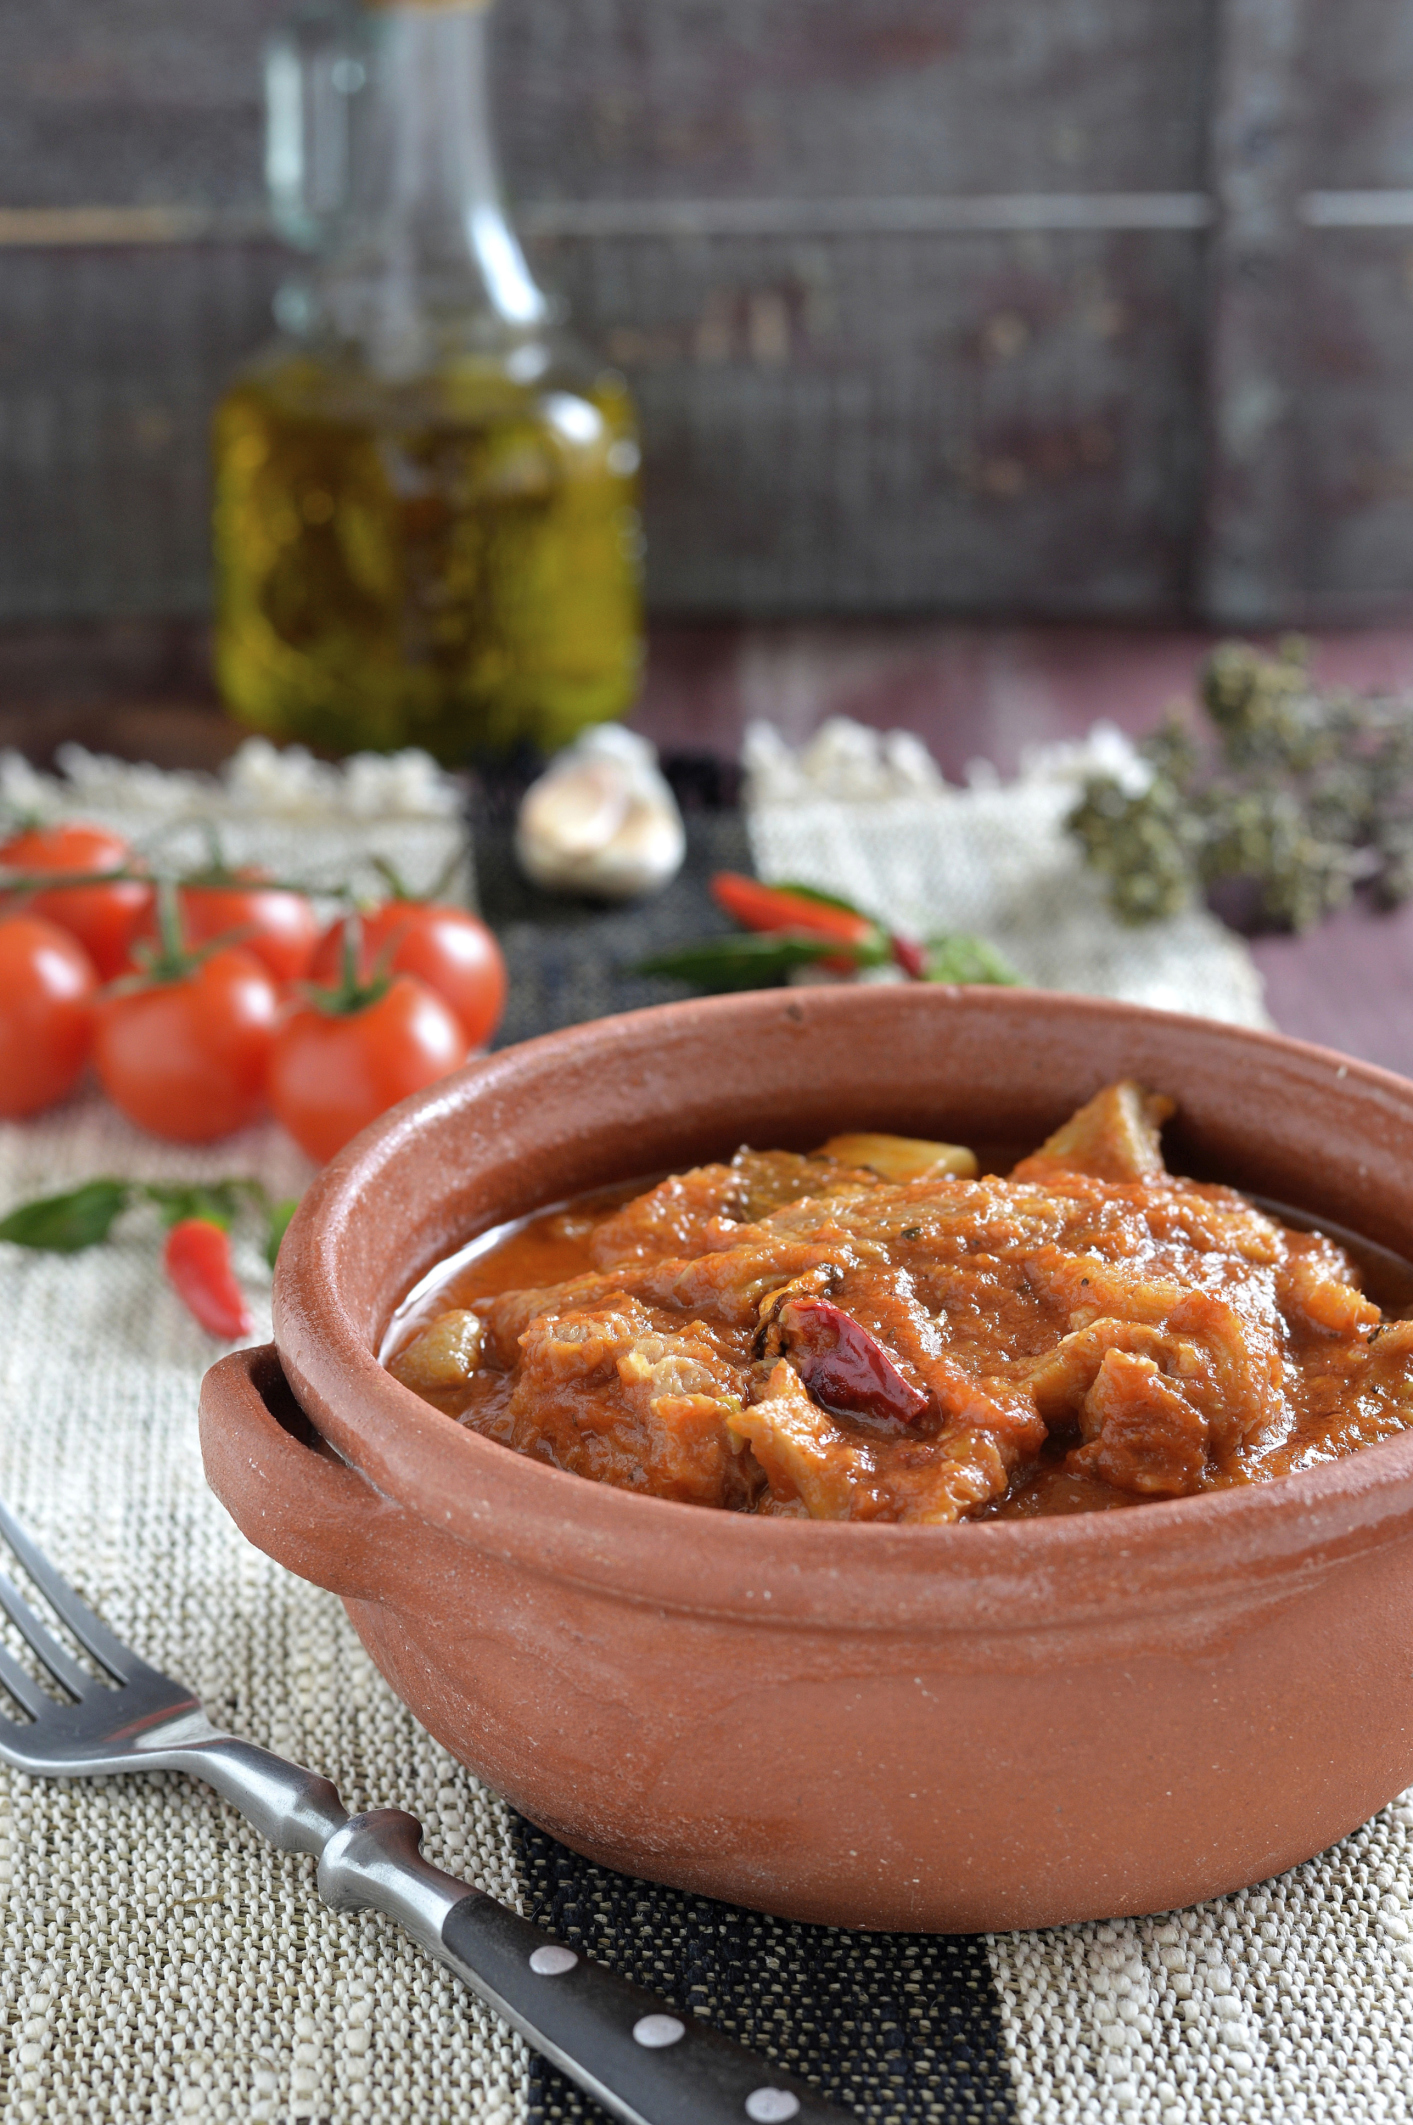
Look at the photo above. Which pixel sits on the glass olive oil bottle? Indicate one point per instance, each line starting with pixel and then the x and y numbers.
pixel 426 521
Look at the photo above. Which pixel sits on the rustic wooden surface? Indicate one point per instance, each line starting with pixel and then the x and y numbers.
pixel 1255 525
pixel 969 692
pixel 918 299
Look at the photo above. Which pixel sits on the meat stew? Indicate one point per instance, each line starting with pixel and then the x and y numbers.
pixel 879 1331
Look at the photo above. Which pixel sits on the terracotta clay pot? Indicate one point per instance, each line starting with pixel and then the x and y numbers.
pixel 1010 1724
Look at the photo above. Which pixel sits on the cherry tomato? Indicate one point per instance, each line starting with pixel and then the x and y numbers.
pixel 333 1072
pixel 186 1058
pixel 449 950
pixel 102 917
pixel 278 926
pixel 47 987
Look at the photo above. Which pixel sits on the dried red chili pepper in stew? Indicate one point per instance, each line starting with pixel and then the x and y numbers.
pixel 843 1366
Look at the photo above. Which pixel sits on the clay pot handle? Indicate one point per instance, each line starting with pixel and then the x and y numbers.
pixel 285 1490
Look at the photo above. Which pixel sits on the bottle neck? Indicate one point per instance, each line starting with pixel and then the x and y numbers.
pixel 424 263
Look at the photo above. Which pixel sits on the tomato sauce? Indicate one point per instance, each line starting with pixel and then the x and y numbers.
pixel 881 1332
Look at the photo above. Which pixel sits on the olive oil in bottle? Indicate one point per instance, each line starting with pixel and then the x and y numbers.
pixel 426 522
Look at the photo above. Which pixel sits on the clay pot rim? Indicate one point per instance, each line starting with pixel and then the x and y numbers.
pixel 564 1527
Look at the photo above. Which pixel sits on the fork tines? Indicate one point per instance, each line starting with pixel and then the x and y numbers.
pixel 111 1655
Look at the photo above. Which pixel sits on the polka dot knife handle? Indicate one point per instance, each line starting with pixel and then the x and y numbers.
pixel 641 2062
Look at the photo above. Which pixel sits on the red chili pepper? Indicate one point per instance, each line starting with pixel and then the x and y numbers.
pixel 909 955
pixel 843 1366
pixel 197 1259
pixel 773 907
pixel 780 907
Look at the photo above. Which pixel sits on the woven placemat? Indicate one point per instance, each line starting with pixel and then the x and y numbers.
pixel 158 1962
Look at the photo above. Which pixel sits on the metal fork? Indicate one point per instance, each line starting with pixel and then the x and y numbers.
pixel 632 2053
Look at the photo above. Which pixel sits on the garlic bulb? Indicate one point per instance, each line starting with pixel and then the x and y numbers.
pixel 601 820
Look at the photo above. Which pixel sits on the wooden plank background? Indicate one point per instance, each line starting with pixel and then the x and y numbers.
pixel 1101 308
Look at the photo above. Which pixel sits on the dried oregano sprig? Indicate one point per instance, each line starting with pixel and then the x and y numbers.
pixel 1305 795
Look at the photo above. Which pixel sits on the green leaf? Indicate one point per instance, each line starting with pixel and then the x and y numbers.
pixel 961 958
pixel 66 1224
pixel 219 1201
pixel 750 961
pixel 277 1225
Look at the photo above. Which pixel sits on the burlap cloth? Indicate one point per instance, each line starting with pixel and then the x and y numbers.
pixel 157 1959
pixel 159 1962
pixel 868 815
